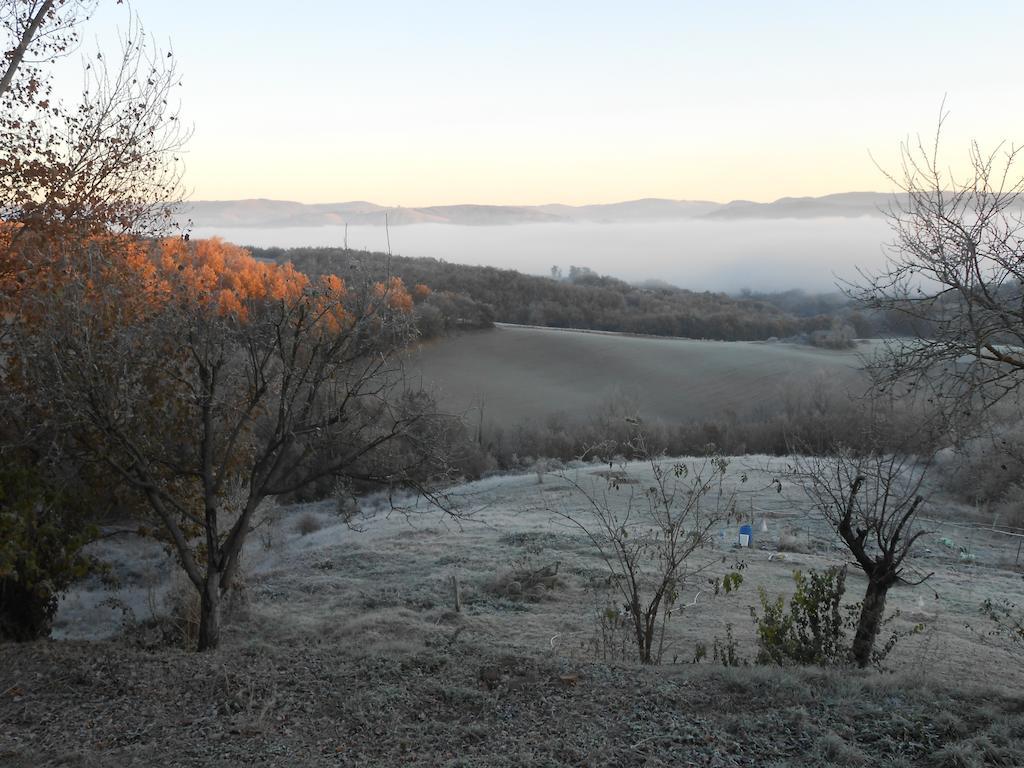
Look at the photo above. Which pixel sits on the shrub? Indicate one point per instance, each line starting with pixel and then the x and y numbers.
pixel 791 541
pixel 612 638
pixel 986 469
pixel 529 579
pixel 1006 623
pixel 725 651
pixel 811 631
pixel 41 541
pixel 172 622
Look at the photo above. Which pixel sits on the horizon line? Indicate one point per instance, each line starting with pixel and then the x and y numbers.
pixel 538 205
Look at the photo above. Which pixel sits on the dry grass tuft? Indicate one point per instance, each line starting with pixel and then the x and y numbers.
pixel 525 583
pixel 831 749
pixel 307 524
pixel 791 541
pixel 959 755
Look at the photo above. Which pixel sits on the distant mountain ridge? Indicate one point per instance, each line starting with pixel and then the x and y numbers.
pixel 283 213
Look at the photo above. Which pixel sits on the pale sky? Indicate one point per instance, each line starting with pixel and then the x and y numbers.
pixel 417 103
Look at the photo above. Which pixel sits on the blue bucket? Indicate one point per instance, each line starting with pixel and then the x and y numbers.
pixel 746 538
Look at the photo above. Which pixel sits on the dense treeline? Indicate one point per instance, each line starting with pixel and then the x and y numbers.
pixel 474 296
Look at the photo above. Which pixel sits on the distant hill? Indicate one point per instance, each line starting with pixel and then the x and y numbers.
pixel 844 205
pixel 283 213
pixel 482 215
pixel 648 209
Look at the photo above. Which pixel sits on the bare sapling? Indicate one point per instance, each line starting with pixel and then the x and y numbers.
pixel 647 530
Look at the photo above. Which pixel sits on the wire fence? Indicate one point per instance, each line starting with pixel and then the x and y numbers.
pixel 989 544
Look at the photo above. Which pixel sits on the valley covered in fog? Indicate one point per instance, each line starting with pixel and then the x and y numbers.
pixel 700 254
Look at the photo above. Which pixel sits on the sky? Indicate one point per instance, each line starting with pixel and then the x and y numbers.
pixel 416 103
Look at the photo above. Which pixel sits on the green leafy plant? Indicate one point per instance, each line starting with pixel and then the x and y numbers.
pixel 811 630
pixel 41 540
pixel 725 650
pixel 1006 623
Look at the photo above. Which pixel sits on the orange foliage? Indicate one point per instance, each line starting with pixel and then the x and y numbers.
pixel 225 276
pixel 34 267
pixel 394 294
pixel 421 291
pixel 207 274
pixel 330 304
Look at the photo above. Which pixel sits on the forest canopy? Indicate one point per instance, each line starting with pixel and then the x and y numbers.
pixel 466 296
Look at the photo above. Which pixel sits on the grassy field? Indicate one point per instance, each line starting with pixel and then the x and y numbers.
pixel 346 651
pixel 520 373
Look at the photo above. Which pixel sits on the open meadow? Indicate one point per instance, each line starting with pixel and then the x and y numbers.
pixel 516 373
pixel 344 648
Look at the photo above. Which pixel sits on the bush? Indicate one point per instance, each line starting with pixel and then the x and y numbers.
pixel 725 650
pixel 41 542
pixel 839 336
pixel 1006 623
pixel 791 541
pixel 987 469
pixel 172 623
pixel 811 632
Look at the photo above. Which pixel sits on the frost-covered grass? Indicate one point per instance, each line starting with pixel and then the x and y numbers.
pixel 349 651
pixel 387 576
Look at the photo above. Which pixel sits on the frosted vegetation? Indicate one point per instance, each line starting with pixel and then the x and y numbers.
pixel 383 579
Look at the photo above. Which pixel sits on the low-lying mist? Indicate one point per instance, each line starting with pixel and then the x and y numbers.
pixel 760 254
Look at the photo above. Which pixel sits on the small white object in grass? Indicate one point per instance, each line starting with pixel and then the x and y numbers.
pixel 764 525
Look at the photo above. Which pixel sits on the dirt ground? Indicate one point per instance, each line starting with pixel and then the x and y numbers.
pixel 345 650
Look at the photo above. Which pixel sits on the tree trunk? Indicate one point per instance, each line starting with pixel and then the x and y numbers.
pixel 646 657
pixel 24 615
pixel 209 614
pixel 870 621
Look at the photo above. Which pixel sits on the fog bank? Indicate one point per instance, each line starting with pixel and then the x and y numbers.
pixel 700 255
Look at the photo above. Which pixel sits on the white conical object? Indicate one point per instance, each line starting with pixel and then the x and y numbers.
pixel 764 525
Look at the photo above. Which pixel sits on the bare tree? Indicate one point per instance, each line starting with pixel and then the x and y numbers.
pixel 872 499
pixel 956 271
pixel 106 162
pixel 42 30
pixel 646 531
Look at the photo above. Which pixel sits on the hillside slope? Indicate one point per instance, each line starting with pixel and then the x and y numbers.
pixel 521 373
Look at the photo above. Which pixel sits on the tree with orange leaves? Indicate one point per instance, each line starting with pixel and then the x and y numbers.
pixel 72 175
pixel 207 381
pixel 198 377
